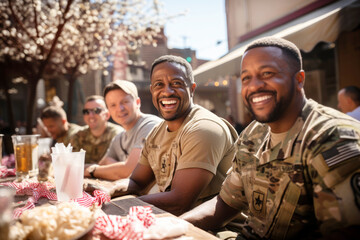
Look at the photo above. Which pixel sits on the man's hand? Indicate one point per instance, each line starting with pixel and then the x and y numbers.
pixel 91 187
pixel 120 188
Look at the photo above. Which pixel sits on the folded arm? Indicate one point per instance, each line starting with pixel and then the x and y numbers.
pixel 211 215
pixel 185 190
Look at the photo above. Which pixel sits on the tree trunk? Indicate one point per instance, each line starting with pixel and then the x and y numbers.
pixel 30 104
pixel 70 100
pixel 10 111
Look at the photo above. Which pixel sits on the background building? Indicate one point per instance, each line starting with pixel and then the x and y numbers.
pixel 326 31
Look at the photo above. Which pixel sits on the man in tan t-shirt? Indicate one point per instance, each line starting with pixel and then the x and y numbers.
pixel 188 154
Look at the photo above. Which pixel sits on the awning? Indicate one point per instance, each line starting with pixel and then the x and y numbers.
pixel 324 24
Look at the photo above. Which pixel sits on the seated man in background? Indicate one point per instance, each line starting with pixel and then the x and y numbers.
pixel 123 102
pixel 55 120
pixel 95 138
pixel 187 154
pixel 349 101
pixel 296 174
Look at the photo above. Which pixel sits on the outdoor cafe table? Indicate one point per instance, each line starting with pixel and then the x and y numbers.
pixel 120 206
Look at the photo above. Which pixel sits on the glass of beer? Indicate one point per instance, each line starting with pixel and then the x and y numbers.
pixel 26 155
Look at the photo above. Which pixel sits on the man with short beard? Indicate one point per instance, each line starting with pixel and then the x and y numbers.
pixel 296 174
pixel 188 154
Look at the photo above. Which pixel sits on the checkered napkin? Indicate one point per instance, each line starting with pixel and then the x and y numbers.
pixel 37 190
pixel 5 172
pixel 132 227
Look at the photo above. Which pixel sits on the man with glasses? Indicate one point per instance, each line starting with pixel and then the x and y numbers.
pixel 123 102
pixel 188 154
pixel 96 137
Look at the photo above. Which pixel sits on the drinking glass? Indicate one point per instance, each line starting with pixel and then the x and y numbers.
pixel 26 155
pixel 69 174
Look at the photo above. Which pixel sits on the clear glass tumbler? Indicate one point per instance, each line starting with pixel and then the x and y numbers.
pixel 26 155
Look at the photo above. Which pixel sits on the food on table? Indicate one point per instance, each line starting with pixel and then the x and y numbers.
pixel 66 220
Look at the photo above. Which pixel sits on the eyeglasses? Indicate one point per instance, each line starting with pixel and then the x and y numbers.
pixel 96 110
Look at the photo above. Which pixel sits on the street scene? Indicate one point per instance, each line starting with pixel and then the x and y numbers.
pixel 224 119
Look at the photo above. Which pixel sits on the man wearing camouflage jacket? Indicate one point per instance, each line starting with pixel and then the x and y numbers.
pixel 296 174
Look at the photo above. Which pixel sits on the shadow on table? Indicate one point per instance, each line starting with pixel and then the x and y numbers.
pixel 122 206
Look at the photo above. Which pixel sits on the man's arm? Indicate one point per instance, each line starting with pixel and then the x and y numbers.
pixel 139 183
pixel 185 189
pixel 107 160
pixel 211 215
pixel 117 170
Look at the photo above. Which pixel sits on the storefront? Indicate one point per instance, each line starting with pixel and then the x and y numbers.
pixel 329 38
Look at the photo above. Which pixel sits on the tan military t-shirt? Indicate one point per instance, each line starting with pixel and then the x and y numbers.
pixel 203 141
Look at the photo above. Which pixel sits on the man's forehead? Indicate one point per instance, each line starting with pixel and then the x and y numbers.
pixel 96 102
pixel 176 66
pixel 260 54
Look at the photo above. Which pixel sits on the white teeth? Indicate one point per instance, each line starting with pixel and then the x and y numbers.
pixel 168 102
pixel 262 98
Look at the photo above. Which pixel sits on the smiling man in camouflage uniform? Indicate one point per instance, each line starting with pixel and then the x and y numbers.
pixel 297 169
pixel 96 136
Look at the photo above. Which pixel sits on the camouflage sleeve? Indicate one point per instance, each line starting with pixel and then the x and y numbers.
pixel 232 191
pixel 333 161
pixel 75 142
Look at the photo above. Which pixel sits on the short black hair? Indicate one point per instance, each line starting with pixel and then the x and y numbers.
pixel 175 59
pixel 353 92
pixel 53 112
pixel 288 48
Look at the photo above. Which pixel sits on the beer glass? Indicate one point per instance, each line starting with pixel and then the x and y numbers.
pixel 26 155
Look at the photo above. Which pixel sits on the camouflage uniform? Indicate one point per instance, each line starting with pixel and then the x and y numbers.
pixel 95 147
pixel 303 184
pixel 73 129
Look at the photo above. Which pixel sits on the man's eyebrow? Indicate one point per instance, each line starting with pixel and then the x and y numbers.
pixel 243 71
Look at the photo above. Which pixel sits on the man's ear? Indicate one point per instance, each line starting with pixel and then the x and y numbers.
pixel 300 79
pixel 138 102
pixel 107 115
pixel 192 89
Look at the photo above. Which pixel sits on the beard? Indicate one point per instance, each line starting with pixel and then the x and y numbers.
pixel 278 110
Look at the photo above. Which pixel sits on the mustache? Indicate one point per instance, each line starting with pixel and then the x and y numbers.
pixel 171 96
pixel 258 92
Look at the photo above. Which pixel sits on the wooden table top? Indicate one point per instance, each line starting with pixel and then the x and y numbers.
pixel 120 206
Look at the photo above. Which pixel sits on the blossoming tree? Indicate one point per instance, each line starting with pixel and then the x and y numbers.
pixel 43 38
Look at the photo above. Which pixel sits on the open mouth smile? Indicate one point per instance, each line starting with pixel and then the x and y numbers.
pixel 168 104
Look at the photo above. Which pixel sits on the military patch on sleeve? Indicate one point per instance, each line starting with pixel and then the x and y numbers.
pixel 348 134
pixel 338 154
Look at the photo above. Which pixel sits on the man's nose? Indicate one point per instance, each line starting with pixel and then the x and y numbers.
pixel 255 83
pixel 168 89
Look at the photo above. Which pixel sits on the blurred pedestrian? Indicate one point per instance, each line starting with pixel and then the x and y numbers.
pixel 349 101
